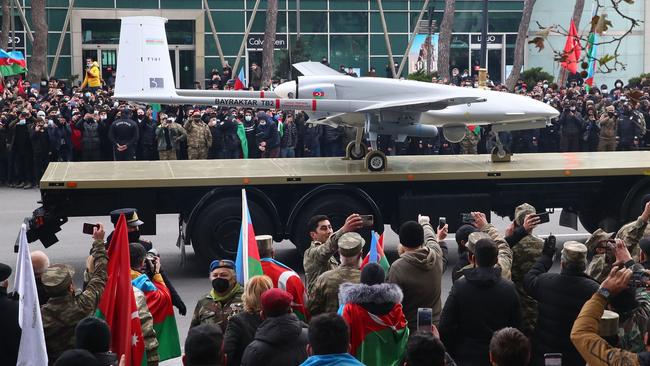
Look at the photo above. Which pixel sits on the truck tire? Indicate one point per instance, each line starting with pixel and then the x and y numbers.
pixel 336 206
pixel 215 234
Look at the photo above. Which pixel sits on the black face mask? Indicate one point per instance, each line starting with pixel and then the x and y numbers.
pixel 220 285
pixel 610 114
pixel 134 236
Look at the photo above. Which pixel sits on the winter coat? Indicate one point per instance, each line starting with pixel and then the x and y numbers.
pixel 21 142
pixel 559 300
pixel 290 136
pixel 378 332
pixel 419 274
pixel 268 133
pixel 40 141
pixel 608 126
pixel 124 132
pixel 571 124
pixel 479 304
pixel 93 77
pixel 630 126
pixel 279 341
pixel 228 128
pixel 147 132
pixel 336 359
pixel 175 133
pixel 10 329
pixel 332 134
pixel 90 135
pixel 60 134
pixel 240 332
pixel 312 136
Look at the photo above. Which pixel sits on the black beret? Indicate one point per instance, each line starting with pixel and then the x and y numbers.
pixel 5 271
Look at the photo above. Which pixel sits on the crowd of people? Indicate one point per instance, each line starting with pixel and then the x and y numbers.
pixel 504 308
pixel 55 121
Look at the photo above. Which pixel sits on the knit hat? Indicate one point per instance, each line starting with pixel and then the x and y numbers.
pixel 276 302
pixel 5 272
pixel 411 234
pixel 92 334
pixel 77 357
pixel 372 274
pixel 462 234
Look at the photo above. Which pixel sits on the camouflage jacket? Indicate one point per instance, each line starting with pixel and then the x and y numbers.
pixel 213 310
pixel 325 295
pixel 62 313
pixel 504 258
pixel 524 256
pixel 199 136
pixel 632 325
pixel 632 233
pixel 318 259
pixel 148 333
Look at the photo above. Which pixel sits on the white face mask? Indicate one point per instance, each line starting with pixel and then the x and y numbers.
pixel 248 118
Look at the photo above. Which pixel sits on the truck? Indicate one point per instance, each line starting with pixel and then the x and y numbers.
pixel 602 189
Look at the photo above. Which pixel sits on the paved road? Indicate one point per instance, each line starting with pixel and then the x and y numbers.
pixel 191 279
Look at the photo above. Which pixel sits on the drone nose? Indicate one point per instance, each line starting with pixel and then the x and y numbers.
pixel 286 90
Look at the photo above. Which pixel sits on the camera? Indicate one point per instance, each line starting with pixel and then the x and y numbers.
pixel 150 262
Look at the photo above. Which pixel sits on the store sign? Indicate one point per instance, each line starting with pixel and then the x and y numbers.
pixel 491 38
pixel 256 41
pixel 17 41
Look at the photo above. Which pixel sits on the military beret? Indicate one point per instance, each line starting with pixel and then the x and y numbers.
pixel 608 325
pixel 130 214
pixel 574 252
pixel 522 211
pixel 57 278
pixel 596 238
pixel 222 263
pixel 475 237
pixel 5 271
pixel 350 244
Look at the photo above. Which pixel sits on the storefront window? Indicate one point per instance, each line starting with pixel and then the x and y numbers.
pixel 349 50
pixel 310 22
pixel 459 51
pixel 504 21
pixel 348 22
pixel 107 31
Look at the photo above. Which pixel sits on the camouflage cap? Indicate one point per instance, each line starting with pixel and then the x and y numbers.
pixel 350 244
pixel 57 278
pixel 597 237
pixel 522 211
pixel 574 251
pixel 475 237
pixel 608 325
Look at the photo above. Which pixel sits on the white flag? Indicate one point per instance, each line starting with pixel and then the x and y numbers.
pixel 32 351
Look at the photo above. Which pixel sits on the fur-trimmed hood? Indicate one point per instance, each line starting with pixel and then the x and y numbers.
pixel 358 293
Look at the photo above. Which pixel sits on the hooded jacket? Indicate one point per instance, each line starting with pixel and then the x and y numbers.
pixel 419 274
pixel 337 359
pixel 93 78
pixel 378 332
pixel 279 341
pixel 479 304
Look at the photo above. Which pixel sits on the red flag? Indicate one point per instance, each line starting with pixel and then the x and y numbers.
pixel 21 88
pixel 117 305
pixel 572 50
pixel 2 85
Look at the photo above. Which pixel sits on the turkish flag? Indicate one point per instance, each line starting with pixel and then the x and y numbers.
pixel 572 50
pixel 117 305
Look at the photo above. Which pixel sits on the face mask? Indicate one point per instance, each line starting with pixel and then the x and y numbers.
pixel 103 117
pixel 22 122
pixel 87 95
pixel 197 118
pixel 89 65
pixel 220 285
pixel 611 114
pixel 545 86
pixel 262 122
pixel 43 83
pixel 248 118
pixel 134 236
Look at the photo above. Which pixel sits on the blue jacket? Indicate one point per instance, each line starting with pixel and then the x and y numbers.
pixel 338 359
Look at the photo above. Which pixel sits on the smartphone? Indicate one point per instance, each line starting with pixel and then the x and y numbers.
pixel 552 359
pixel 89 228
pixel 640 279
pixel 544 217
pixel 466 218
pixel 425 320
pixel 442 221
pixel 368 220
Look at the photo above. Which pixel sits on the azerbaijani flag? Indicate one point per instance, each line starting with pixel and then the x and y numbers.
pixel 374 339
pixel 12 63
pixel 248 258
pixel 240 82
pixel 591 59
pixel 376 253
pixel 117 305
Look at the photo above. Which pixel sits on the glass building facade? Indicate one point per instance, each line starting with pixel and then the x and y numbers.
pixel 346 32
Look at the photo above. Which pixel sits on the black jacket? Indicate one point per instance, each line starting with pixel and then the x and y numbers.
pixel 279 341
pixel 478 305
pixel 124 132
pixel 40 141
pixel 559 300
pixel 10 329
pixel 240 332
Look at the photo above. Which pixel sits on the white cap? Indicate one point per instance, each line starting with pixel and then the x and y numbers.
pixel 40 114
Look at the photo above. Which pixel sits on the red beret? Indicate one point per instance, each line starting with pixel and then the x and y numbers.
pixel 276 302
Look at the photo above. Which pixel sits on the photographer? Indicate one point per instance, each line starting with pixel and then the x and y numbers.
pixel 571 125
pixel 584 335
pixel 169 135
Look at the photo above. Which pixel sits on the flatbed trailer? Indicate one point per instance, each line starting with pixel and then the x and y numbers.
pixel 603 189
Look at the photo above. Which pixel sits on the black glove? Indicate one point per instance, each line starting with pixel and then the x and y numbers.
pixel 181 307
pixel 549 246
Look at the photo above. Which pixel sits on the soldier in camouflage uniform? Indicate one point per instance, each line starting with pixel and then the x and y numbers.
pixel 199 137
pixel 524 255
pixel 608 124
pixel 64 310
pixel 146 322
pixel 469 143
pixel 325 296
pixel 633 232
pixel 318 258
pixel 488 231
pixel 223 301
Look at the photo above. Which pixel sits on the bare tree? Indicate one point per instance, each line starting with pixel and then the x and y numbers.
pixel 269 42
pixel 6 23
pixel 444 40
pixel 577 12
pixel 39 48
pixel 522 33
